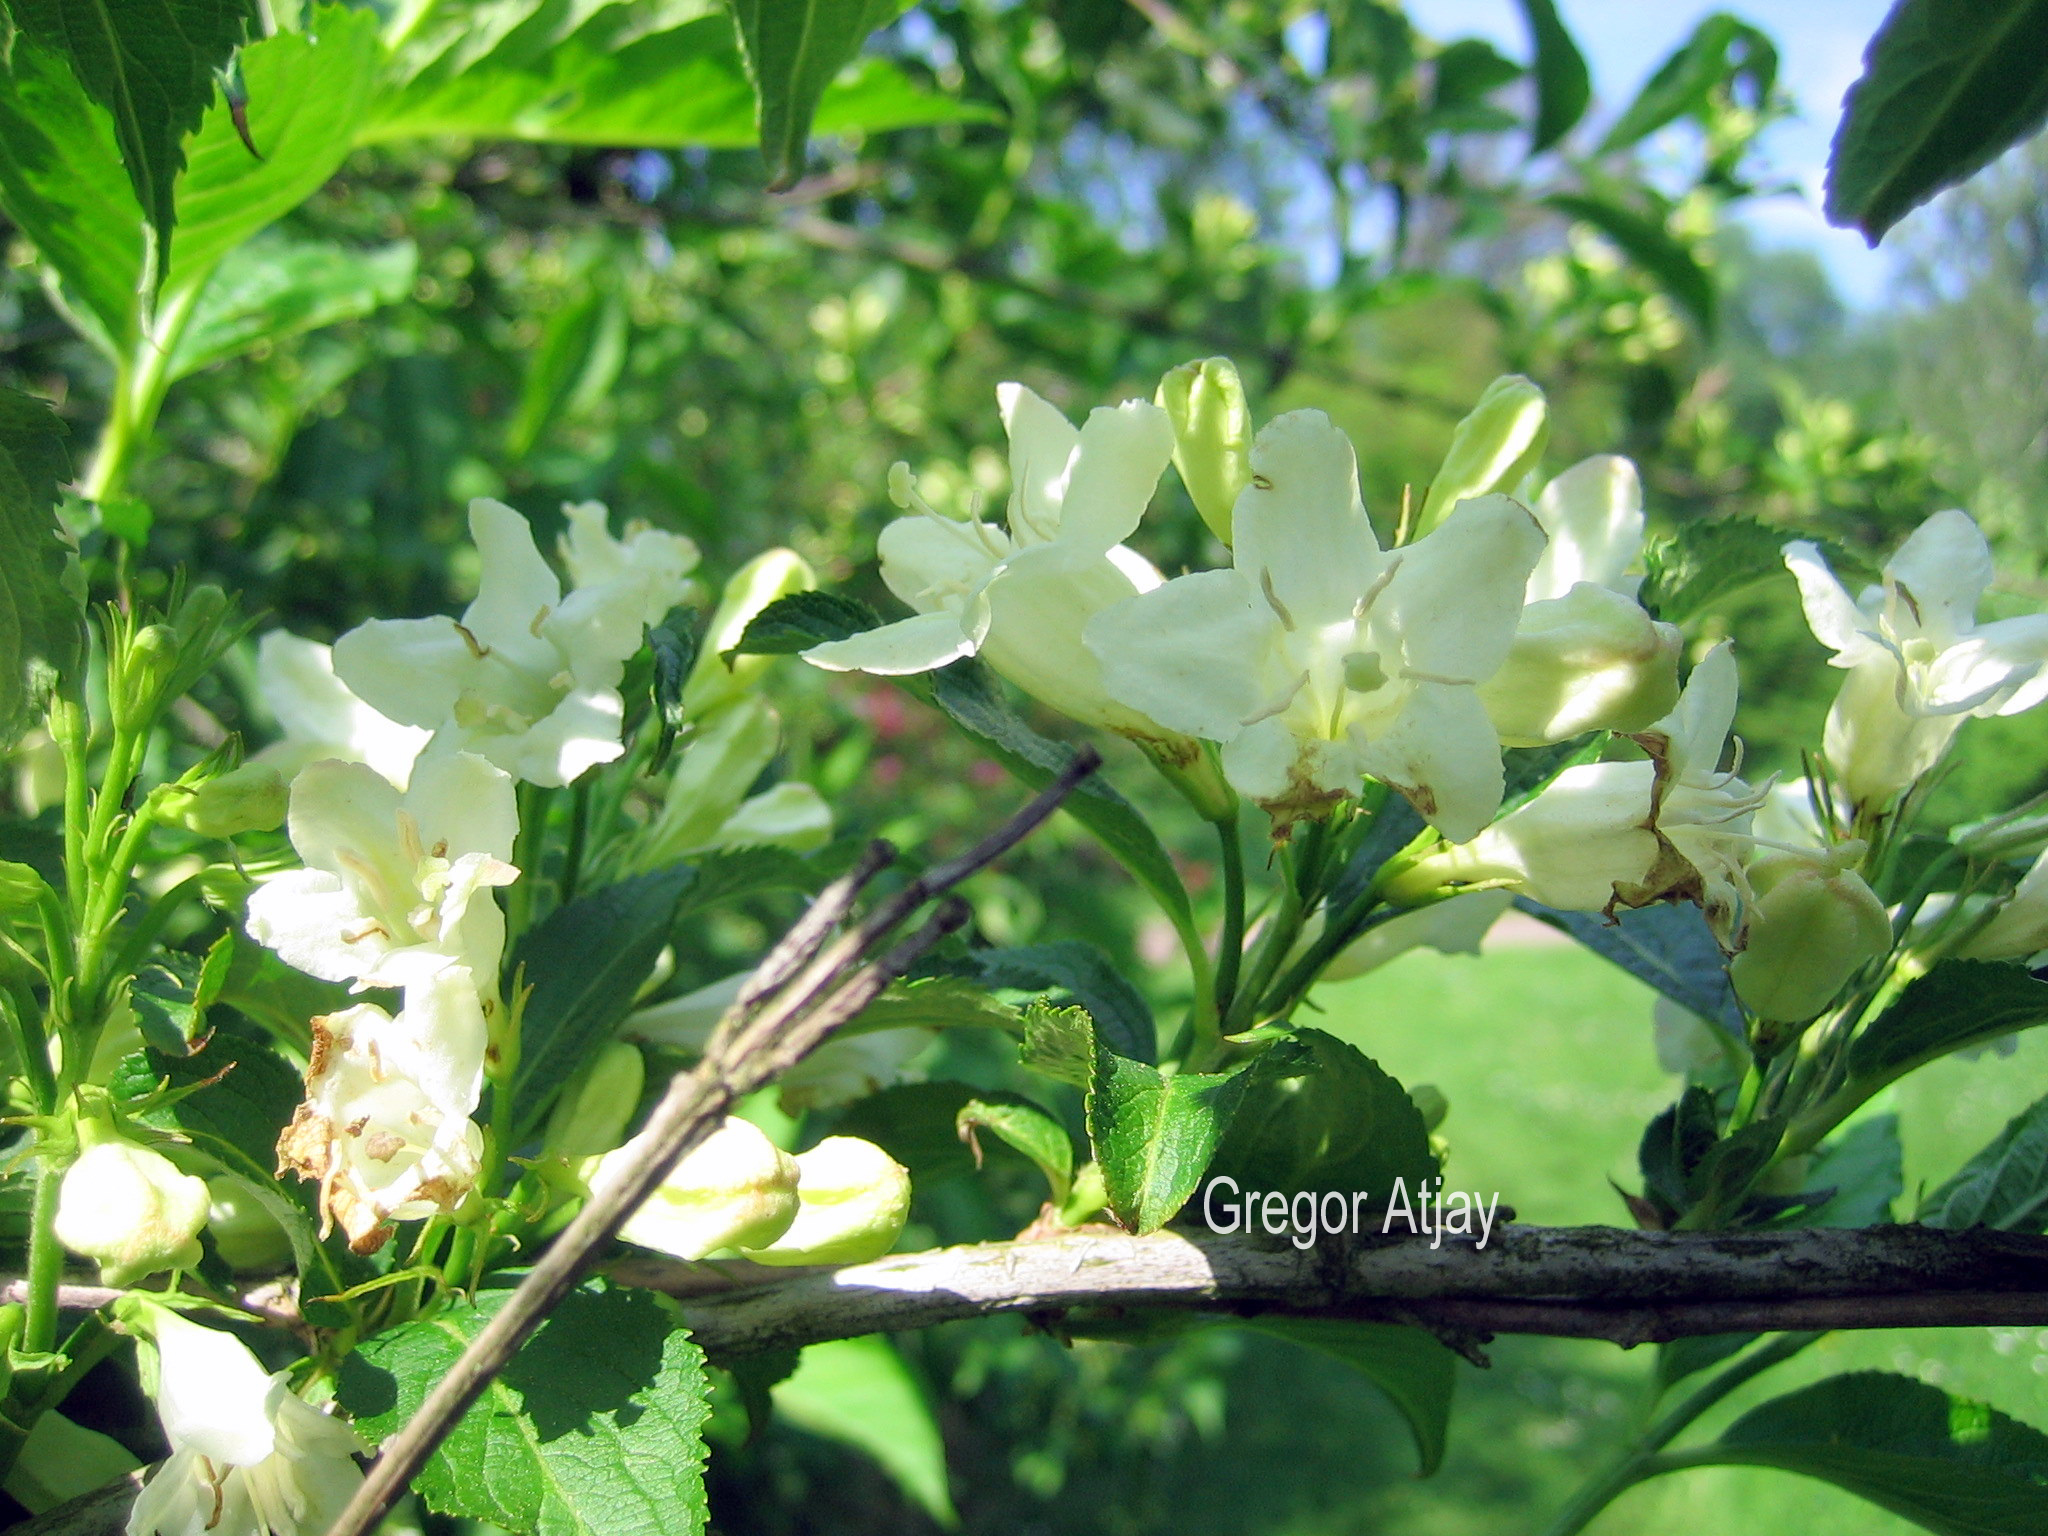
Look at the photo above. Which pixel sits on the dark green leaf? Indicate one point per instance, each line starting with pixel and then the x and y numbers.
pixel 922 1126
pixel 266 290
pixel 1318 1114
pixel 1947 86
pixel 1686 1357
pixel 1958 1004
pixel 1673 1145
pixel 1466 73
pixel 1068 968
pixel 793 48
pixel 585 962
pixel 1720 47
pixel 2005 1185
pixel 582 347
pixel 673 644
pixel 732 875
pixel 1945 1462
pixel 1393 827
pixel 150 65
pixel 42 621
pixel 1563 86
pixel 862 1393
pixel 1702 562
pixel 1409 1365
pixel 1023 1125
pixel 1670 947
pixel 1059 1043
pixel 801 620
pixel 595 1426
pixel 936 1002
pixel 171 995
pixel 1652 247
pixel 1865 1167
pixel 1153 1135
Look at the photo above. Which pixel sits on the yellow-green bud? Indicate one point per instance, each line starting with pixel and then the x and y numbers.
pixel 1491 450
pixel 251 798
pixel 591 1115
pixel 737 1188
pixel 129 1210
pixel 145 670
pixel 1590 660
pixel 1212 436
pixel 853 1199
pixel 1814 924
pixel 249 1239
pixel 713 682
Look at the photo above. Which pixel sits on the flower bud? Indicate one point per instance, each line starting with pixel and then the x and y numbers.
pixel 248 1238
pixel 1590 660
pixel 251 798
pixel 1212 436
pixel 592 1114
pixel 853 1199
pixel 137 681
pixel 129 1210
pixel 2020 927
pixel 714 682
pixel 1491 449
pixel 1814 924
pixel 735 1189
pixel 1453 927
pixel 38 773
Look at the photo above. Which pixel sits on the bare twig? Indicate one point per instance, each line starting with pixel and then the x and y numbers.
pixel 762 1036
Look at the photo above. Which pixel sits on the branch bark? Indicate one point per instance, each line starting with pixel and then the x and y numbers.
pixel 1574 1282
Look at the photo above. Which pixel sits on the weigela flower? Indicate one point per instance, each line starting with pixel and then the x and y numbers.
pixel 529 679
pixel 1918 660
pixel 650 559
pixel 2019 928
pixel 1320 659
pixel 1018 596
pixel 1607 835
pixel 735 1187
pixel 852 1201
pixel 130 1210
pixel 1813 923
pixel 320 718
pixel 385 1128
pixel 1491 449
pixel 249 1457
pixel 1212 436
pixel 397 883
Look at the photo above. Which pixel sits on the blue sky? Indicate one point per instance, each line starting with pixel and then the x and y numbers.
pixel 1820 45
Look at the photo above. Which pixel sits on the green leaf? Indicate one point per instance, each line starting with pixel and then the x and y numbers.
pixel 1702 562
pixel 1154 1135
pixel 150 64
pixel 1412 1367
pixel 921 1126
pixel 1946 1463
pixel 60 1461
pixel 306 93
pixel 673 646
pixel 582 347
pixel 1318 1114
pixel 1947 86
pixel 935 1002
pixel 1670 947
pixel 731 875
pixel 793 48
pixel 1068 968
pixel 595 1427
pixel 1958 1004
pixel 2003 1186
pixel 1564 88
pixel 1652 247
pixel 266 290
pixel 1674 1143
pixel 171 995
pixel 1720 47
pixel 42 620
pixel 801 620
pixel 1865 1167
pixel 62 183
pixel 586 963
pixel 874 96
pixel 1021 1124
pixel 1686 1357
pixel 860 1393
pixel 1059 1043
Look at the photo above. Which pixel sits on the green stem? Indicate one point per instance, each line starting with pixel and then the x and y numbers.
pixel 579 835
pixel 34 1047
pixel 45 1261
pixel 1230 946
pixel 1640 1460
pixel 139 386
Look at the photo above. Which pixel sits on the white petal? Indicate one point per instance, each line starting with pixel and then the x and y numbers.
pixel 1042 448
pixel 1289 773
pixel 211 1392
pixel 1593 513
pixel 926 560
pixel 1945 564
pixel 1455 599
pixel 1699 726
pixel 918 644
pixel 685 1023
pixel 1137 570
pixel 516 590
pixel 295 679
pixel 315 925
pixel 467 803
pixel 1124 450
pixel 582 732
pixel 1576 839
pixel 1831 613
pixel 2001 668
pixel 1443 754
pixel 1039 606
pixel 344 817
pixel 1300 527
pixel 412 670
pixel 595 630
pixel 1190 654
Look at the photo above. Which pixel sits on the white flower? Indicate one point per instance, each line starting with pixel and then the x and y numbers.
pixel 1918 660
pixel 735 1187
pixel 529 679
pixel 648 560
pixel 1603 835
pixel 396 884
pixel 852 1201
pixel 1320 659
pixel 320 718
pixel 249 1457
pixel 2019 928
pixel 385 1127
pixel 1019 596
pixel 130 1211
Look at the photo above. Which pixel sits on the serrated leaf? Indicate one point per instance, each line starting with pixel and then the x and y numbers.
pixel 1685 81
pixel 594 1429
pixel 935 1002
pixel 918 1124
pixel 1947 86
pixel 1564 87
pixel 1703 562
pixel 1319 1114
pixel 1412 1367
pixel 150 65
pixel 42 621
pixel 266 290
pixel 1069 968
pixel 1670 947
pixel 1029 1129
pixel 1947 1463
pixel 801 620
pixel 585 962
pixel 793 48
pixel 1649 245
pixel 1154 1135
pixel 1958 1004
pixel 860 1393
pixel 2004 1186
pixel 732 875
pixel 1673 1144
pixel 1058 1043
